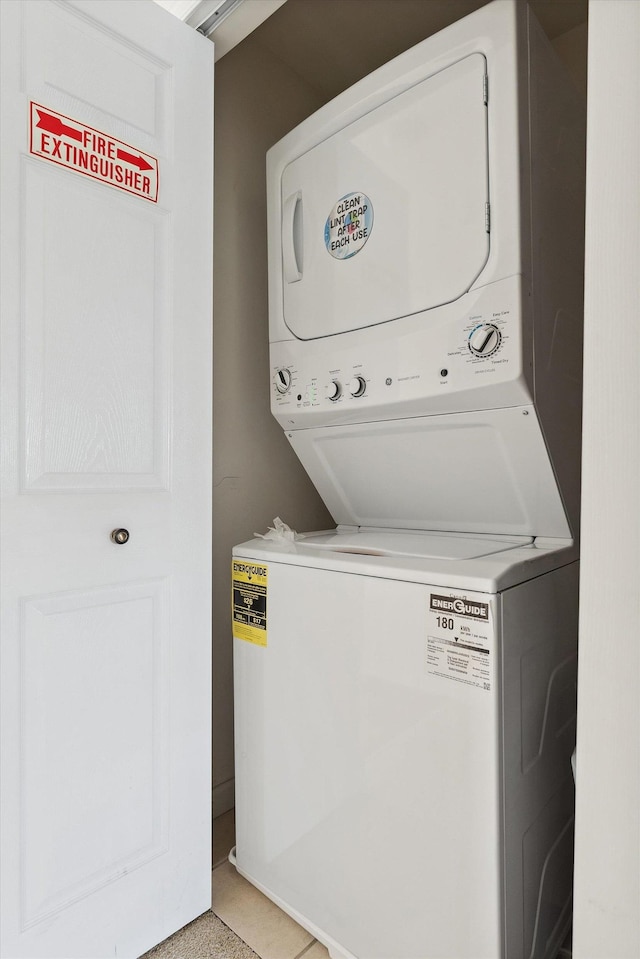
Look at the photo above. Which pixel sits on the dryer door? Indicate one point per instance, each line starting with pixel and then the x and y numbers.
pixel 388 216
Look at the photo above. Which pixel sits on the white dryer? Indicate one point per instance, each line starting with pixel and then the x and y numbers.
pixel 405 684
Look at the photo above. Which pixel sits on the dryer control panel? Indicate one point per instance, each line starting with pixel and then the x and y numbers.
pixel 439 362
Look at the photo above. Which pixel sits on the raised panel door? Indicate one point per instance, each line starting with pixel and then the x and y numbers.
pixel 106 423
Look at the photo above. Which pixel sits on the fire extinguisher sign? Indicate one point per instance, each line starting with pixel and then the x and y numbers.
pixel 72 144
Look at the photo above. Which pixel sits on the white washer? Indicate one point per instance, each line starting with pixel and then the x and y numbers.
pixel 405 685
pixel 403 741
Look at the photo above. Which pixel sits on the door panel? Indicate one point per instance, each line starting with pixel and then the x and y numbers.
pixel 81 738
pixel 105 660
pixel 104 52
pixel 388 217
pixel 95 364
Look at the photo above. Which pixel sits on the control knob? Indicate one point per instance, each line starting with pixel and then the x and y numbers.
pixel 357 386
pixel 333 391
pixel 283 380
pixel 484 339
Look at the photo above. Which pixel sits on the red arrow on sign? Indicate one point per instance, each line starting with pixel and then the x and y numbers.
pixel 54 125
pixel 138 161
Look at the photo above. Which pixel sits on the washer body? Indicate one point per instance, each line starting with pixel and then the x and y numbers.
pixel 403 742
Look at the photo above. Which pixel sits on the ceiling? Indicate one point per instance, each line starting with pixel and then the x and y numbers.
pixel 333 43
pixel 231 20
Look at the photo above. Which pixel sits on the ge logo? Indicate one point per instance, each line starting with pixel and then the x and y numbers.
pixel 388 381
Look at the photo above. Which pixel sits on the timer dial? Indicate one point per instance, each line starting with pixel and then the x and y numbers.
pixel 357 386
pixel 484 339
pixel 283 380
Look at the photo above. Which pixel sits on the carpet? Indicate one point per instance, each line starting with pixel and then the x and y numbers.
pixel 205 938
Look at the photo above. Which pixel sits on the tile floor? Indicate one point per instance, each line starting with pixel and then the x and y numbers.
pixel 254 918
pixel 258 921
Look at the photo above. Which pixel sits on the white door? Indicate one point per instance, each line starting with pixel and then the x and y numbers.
pixel 106 360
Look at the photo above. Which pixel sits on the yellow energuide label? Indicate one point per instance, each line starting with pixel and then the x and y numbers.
pixel 249 601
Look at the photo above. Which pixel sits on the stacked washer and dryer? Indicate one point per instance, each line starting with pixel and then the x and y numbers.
pixel 405 683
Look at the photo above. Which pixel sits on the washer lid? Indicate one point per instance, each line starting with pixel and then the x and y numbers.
pixel 387 217
pixel 425 545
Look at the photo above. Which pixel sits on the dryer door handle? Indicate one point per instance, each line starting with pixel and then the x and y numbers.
pixel 290 234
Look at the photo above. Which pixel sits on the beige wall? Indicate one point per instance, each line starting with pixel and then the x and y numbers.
pixel 571 47
pixel 256 474
pixel 258 100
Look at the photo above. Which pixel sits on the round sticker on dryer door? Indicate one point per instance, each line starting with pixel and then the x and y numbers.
pixel 348 226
